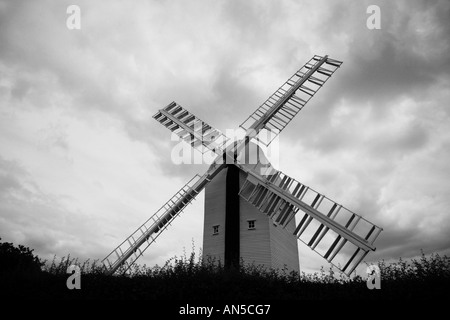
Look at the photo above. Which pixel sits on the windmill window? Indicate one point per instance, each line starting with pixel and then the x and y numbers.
pixel 251 224
pixel 215 229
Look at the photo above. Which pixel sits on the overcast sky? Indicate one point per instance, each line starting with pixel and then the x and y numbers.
pixel 83 164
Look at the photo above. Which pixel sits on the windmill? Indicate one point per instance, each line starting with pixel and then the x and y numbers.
pixel 293 210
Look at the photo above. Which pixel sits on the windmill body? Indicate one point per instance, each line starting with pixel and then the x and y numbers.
pixel 253 211
pixel 235 232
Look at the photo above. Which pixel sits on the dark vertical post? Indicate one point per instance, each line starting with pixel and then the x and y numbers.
pixel 232 241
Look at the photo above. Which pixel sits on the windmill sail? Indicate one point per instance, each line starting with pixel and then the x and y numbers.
pixel 191 129
pixel 134 246
pixel 282 106
pixel 339 235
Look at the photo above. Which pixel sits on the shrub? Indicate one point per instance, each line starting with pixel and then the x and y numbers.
pixel 18 259
pixel 426 268
pixel 192 278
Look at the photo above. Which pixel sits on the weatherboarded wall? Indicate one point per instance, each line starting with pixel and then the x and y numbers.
pixel 214 245
pixel 266 244
pixel 284 247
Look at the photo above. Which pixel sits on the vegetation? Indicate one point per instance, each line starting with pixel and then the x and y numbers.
pixel 23 275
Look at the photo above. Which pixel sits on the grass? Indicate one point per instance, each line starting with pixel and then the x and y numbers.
pixel 190 278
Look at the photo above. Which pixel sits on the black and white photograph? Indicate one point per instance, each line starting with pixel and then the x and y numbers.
pixel 224 156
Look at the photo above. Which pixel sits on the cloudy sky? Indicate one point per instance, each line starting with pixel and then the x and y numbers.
pixel 82 163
